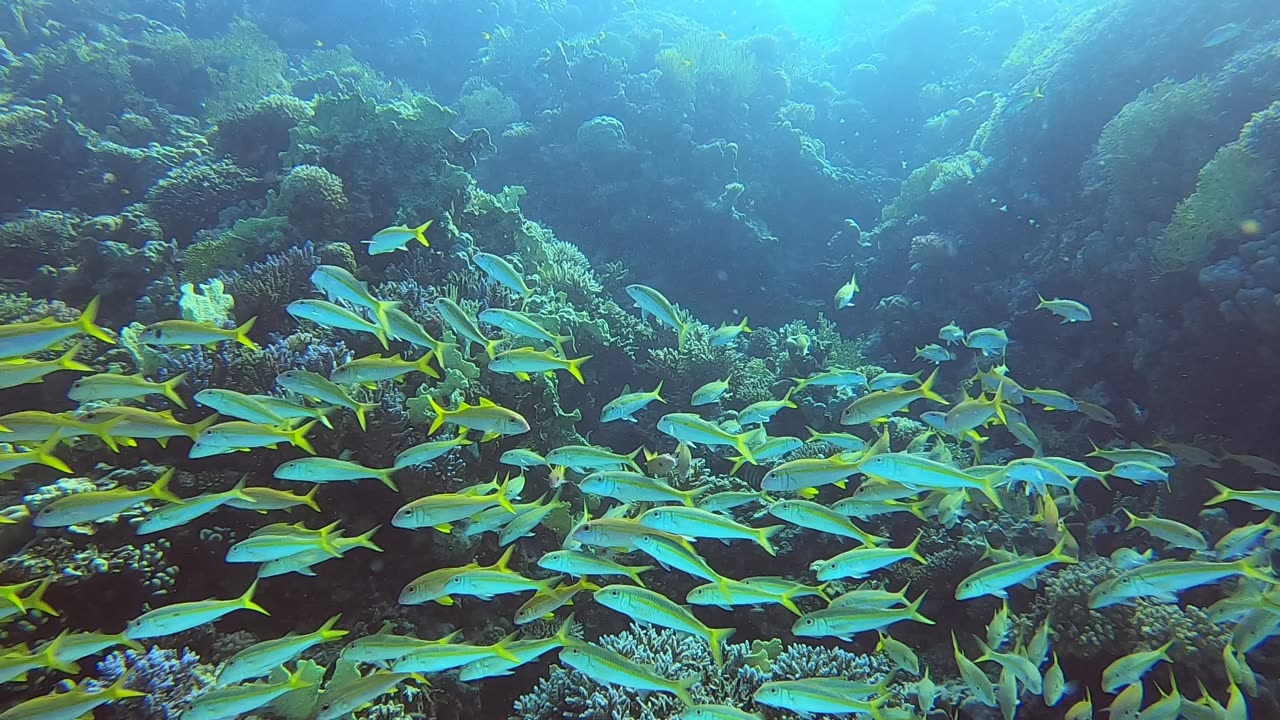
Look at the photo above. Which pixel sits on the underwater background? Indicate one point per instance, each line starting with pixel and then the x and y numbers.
pixel 639 359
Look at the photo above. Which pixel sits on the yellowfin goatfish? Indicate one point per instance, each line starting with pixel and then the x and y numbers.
pixel 439 510
pixel 186 333
pixel 891 380
pixel 108 386
pixel 900 653
pixel 834 377
pixel 861 562
pixel 239 406
pixel 770 449
pixel 709 393
pixel 396 237
pixel 629 403
pixel 834 696
pixel 491 419
pixel 317 387
pixel 41 454
pixel 1130 669
pixel 180 617
pixel 919 472
pixel 21 371
pixel 339 284
pixel 99 504
pixel 176 514
pixel 263 499
pixel 523 524
pixel 521 325
pixel 236 700
pixel 649 607
pixel 323 470
pixel 375 368
pixel 18 339
pixel 238 435
pixel 845 623
pixel 302 562
pixel 935 354
pixel 426 452
pixel 697 523
pixel 341 701
pixel 326 314
pixel 1171 531
pixel 524 652
pixel 609 668
pixel 522 458
pixel 805 473
pixel 847 292
pixel 282 540
pixel 582 563
pixel 590 457
pixel 763 411
pixel 293 411
pixel 726 334
pixel 524 361
pixel 138 423
pixel 502 272
pixel 883 403
pixel 629 487
pixel 402 327
pixel 812 516
pixel 78 702
pixel 259 659
pixel 672 551
pixel 732 593
pixel 1163 580
pixel 462 323
pixel 693 430
pixel 716 712
pixel 1051 399
pixel 1069 310
pixel 991 341
pixel 1142 455
pixel 652 302
pixel 1261 499
pixel 996 579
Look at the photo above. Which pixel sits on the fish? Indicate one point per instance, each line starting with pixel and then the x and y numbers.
pixel 1257 464
pixel 822 695
pixel 1082 709
pixel 919 472
pixel 1162 581
pixel 282 540
pixel 611 668
pixel 289 410
pixel 1146 456
pixel 861 562
pixel 726 334
pixel 749 592
pixel 763 411
pixel 263 499
pixel 846 293
pixel 974 678
pixel 1023 669
pixel 339 284
pixel 522 458
pixel 489 418
pixel 324 470
pixel 1171 531
pixel 1051 399
pixel 109 386
pixel 697 523
pixel 238 405
pixel 590 457
pixel 525 651
pixel 69 647
pixel 397 237
pixel 327 314
pixel 996 579
pixel 628 404
pixel 19 339
pixel 1224 34
pixel 176 514
pixel 709 393
pixel 774 447
pixel 402 327
pixel 465 326
pixel 693 430
pixel 871 598
pixel 926 694
pixel 648 607
pixel 672 551
pixel 728 500
pixel 805 473
pixel 716 712
pixel 187 333
pixel 423 453
pixel 1055 683
pixel 179 617
pixel 652 302
pixel 385 646
pixel 259 659
pixel 1139 472
pixel 629 487
pixel 1069 310
pixel 891 380
pixel 238 435
pixel 502 272
pixel 521 325
pixel 844 441
pixel 812 516
pixel 1130 669
pixel 95 505
pixel 523 361
pixel 972 413
pixel 899 652
pixel 582 563
pixel 345 699
pixel 77 702
pixel 523 524
pixel 302 562
pixel 321 389
pixel 951 334
pixel 659 465
pixel 1097 413
pixel 1244 540
pixel 934 353
pixel 1262 499
pixel 991 341
pixel 41 454
pixel 880 404
pixel 138 423
pixel 835 377
pixel 441 509
pixel 22 371
pixel 232 701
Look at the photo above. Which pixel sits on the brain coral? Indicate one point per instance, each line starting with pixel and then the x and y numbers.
pixel 190 196
pixel 312 198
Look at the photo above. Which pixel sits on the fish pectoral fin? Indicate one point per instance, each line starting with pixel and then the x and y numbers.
pixel 523 376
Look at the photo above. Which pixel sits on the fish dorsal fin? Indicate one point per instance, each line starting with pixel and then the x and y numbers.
pixel 626 389
pixel 486 402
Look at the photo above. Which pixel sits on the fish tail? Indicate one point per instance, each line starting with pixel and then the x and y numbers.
pixel 118 691
pixel 763 538
pixel 43 454
pixel 385 477
pixel 738 462
pixel 926 388
pixel 326 631
pixel 238 490
pixel 68 360
pixel 242 334
pixel 717 639
pixel 657 392
pixel 502 648
pixel 439 346
pixel 299 437
pixel 36 601
pixel 491 349
pixel 420 233
pixel 1258 567
pixel 440 412
pixel 684 684
pixel 565 633
pixel 195 429
pixel 423 365
pixel 559 343
pixel 384 323
pixel 914 609
pixel 160 488
pixel 787 600
pixel 246 600
pixel 310 499
pixel 1224 494
pixel 634 574
pixel 295 680
pixel 1059 553
pixel 1133 519
pixel 744 327
pixel 989 489
pixel 87 322
pixel 170 390
pixel 361 417
pixel 740 441
pixel 503 497
pixel 575 368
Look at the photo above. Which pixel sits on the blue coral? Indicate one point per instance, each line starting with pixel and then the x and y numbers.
pixel 170 678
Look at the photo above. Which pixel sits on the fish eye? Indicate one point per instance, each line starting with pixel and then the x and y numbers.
pixel 808 621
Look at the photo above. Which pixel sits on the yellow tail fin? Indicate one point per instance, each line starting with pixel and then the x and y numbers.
pixel 242 334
